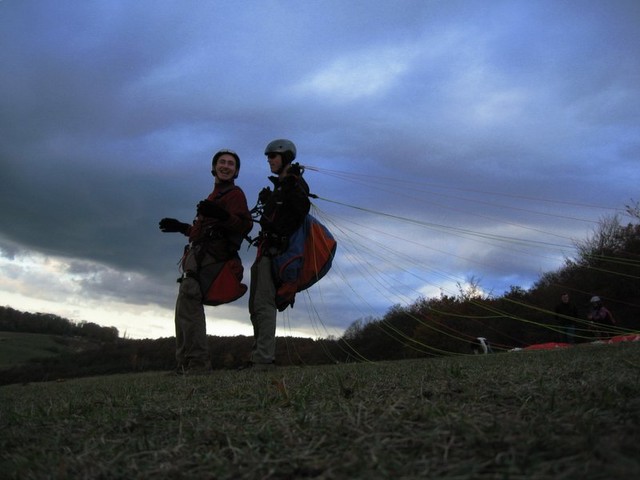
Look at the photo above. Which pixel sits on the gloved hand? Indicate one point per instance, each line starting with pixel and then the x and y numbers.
pixel 208 208
pixel 173 225
pixel 264 195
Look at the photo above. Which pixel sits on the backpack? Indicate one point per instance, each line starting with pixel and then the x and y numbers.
pixel 307 259
pixel 221 282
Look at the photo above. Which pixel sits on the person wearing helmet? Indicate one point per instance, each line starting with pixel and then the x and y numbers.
pixel 222 220
pixel 600 319
pixel 283 211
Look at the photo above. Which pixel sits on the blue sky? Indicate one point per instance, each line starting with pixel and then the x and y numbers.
pixel 447 140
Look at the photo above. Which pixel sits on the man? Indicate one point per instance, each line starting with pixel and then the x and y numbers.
pixel 283 212
pixel 567 315
pixel 222 221
pixel 600 319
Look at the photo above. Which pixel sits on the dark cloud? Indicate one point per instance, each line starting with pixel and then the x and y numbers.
pixel 422 119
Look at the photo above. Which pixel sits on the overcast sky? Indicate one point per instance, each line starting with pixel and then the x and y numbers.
pixel 447 140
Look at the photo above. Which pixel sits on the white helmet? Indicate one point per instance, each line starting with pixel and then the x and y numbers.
pixel 284 147
pixel 595 299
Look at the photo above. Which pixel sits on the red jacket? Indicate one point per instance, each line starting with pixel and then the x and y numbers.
pixel 223 236
pixel 600 314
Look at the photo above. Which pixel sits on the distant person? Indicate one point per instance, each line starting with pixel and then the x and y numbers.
pixel 600 318
pixel 215 236
pixel 283 211
pixel 567 316
pixel 481 346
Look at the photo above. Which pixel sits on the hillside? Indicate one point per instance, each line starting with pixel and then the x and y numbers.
pixel 17 348
pixel 570 413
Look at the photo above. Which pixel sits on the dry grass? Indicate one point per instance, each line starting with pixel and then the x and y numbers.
pixel 561 414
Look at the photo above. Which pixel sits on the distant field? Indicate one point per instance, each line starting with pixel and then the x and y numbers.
pixel 565 414
pixel 18 347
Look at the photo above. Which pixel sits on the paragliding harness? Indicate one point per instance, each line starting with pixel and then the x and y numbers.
pixel 221 280
pixel 304 257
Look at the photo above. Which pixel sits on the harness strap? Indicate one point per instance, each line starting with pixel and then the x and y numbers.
pixel 188 274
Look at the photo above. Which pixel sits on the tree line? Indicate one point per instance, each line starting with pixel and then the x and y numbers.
pixel 607 264
pixel 12 320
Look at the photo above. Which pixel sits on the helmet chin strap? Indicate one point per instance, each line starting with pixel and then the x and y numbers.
pixel 284 165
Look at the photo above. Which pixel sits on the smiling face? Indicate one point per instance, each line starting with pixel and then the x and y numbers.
pixel 226 168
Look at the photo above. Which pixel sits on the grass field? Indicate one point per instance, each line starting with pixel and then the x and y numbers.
pixel 18 347
pixel 567 414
